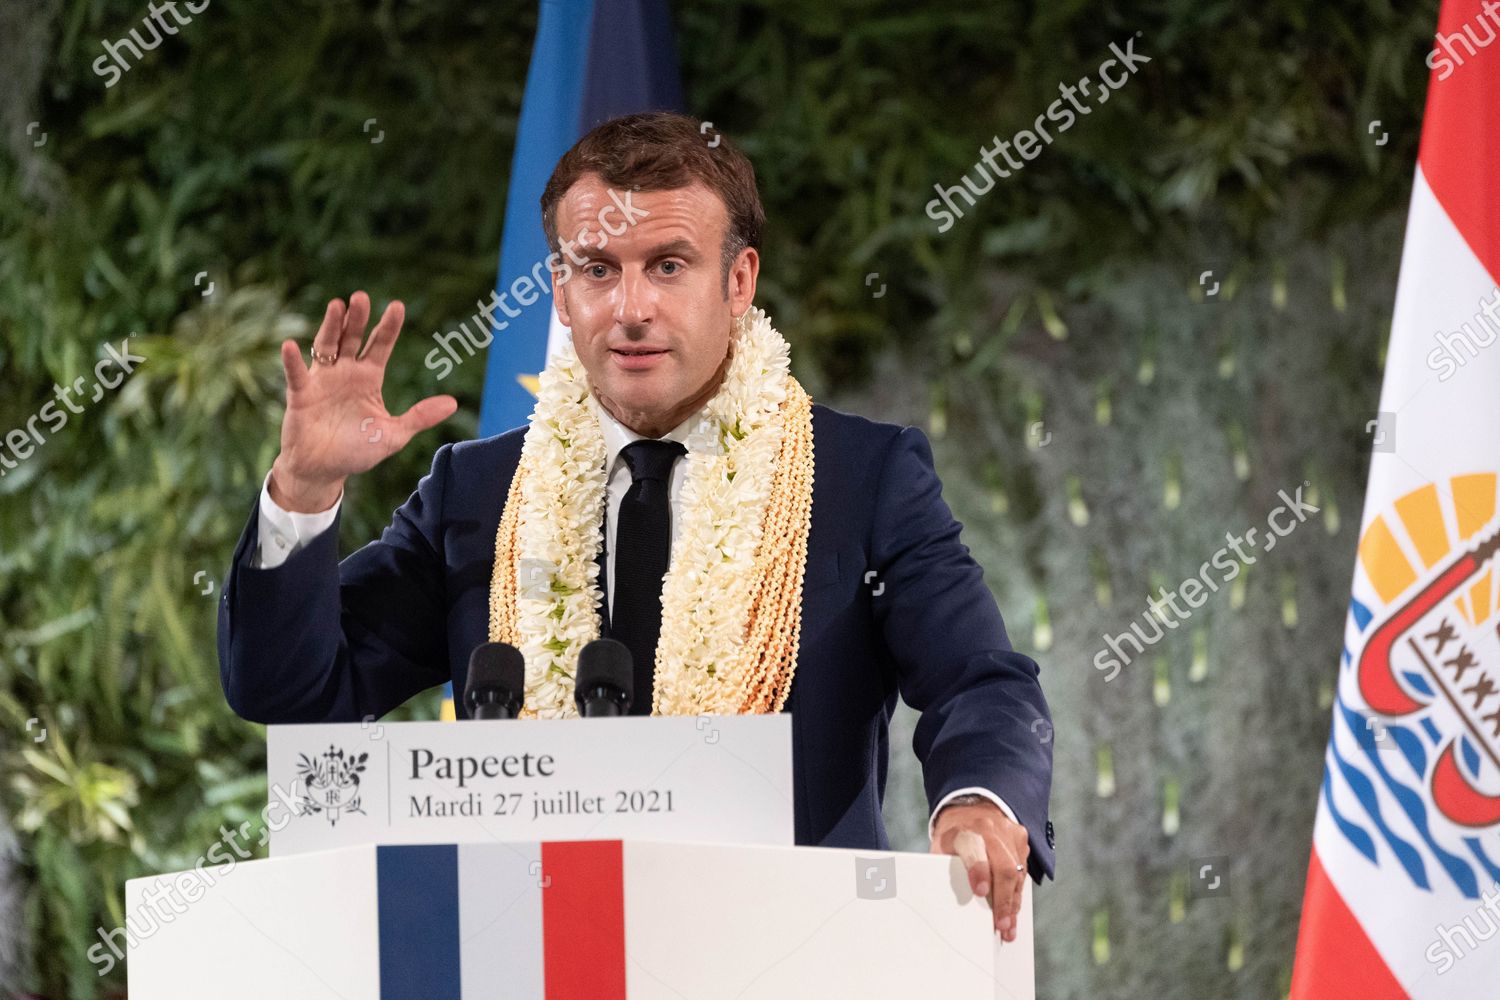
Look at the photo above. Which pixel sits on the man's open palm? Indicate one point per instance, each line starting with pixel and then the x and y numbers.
pixel 336 423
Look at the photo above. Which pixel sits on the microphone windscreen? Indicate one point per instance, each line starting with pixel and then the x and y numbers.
pixel 605 661
pixel 495 665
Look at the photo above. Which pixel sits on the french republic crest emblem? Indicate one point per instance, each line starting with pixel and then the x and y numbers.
pixel 328 784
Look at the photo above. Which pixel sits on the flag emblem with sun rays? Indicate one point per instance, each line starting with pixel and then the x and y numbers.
pixel 1418 714
pixel 1434 655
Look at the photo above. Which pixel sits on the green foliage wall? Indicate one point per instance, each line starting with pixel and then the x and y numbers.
pixel 239 148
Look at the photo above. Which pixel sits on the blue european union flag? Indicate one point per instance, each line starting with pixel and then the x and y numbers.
pixel 592 60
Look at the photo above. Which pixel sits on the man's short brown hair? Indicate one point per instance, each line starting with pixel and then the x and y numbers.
pixel 662 151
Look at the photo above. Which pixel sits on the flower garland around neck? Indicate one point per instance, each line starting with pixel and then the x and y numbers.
pixel 732 598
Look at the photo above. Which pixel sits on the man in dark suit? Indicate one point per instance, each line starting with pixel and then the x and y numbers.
pixel 892 602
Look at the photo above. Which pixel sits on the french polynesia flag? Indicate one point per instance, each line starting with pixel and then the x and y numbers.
pixel 1403 888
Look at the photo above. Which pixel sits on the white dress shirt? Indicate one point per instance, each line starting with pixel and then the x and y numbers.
pixel 283 532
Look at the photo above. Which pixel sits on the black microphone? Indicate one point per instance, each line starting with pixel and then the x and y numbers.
pixel 604 684
pixel 496 687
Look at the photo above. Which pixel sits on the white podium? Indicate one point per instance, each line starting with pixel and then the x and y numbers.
pixel 582 920
pixel 611 859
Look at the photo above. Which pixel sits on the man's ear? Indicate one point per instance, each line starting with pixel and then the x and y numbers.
pixel 742 277
pixel 560 296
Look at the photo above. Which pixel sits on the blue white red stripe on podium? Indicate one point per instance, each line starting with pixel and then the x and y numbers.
pixel 519 921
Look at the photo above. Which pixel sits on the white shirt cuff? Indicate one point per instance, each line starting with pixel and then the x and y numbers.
pixel 984 792
pixel 283 532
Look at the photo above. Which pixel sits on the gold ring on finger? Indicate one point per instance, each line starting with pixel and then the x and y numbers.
pixel 324 359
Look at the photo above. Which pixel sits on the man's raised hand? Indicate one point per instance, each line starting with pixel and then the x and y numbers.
pixel 336 424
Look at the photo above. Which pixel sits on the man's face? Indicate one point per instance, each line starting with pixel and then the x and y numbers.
pixel 647 307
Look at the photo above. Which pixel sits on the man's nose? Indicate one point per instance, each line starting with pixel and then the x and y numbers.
pixel 636 305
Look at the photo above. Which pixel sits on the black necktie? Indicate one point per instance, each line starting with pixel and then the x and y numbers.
pixel 643 552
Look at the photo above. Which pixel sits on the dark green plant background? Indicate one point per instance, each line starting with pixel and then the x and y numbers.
pixel 1100 421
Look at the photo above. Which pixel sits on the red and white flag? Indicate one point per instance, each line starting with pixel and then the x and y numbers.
pixel 1403 889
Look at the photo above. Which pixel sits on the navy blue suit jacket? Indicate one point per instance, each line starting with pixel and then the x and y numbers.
pixel 317 640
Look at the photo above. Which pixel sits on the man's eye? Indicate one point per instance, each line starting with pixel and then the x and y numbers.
pixel 674 265
pixel 595 270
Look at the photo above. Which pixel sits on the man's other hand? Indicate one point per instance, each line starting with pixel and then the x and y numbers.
pixel 993 850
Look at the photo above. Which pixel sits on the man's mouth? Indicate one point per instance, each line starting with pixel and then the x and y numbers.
pixel 637 359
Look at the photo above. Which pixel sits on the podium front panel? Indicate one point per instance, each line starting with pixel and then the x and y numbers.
pixel 606 920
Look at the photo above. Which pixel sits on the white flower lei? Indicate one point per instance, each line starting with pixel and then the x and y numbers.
pixel 706 594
